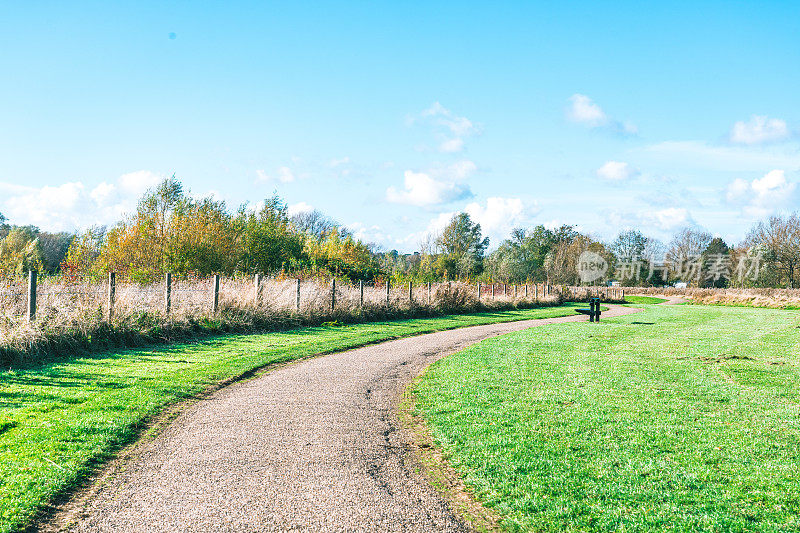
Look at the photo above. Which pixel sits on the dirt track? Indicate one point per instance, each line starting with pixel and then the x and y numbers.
pixel 313 446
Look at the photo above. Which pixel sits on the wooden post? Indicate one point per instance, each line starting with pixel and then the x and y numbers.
pixel 388 288
pixel 410 293
pixel 112 293
pixel 535 291
pixel 493 290
pixel 505 290
pixel 31 311
pixel 429 293
pixel 623 294
pixel 257 289
pixel 215 294
pixel 515 290
pixel 526 291
pixel 297 296
pixel 479 291
pixel 361 293
pixel 167 292
pixel 333 294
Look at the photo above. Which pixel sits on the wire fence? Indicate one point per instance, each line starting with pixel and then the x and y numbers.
pixel 33 298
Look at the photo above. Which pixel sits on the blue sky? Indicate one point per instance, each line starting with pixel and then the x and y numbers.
pixel 392 116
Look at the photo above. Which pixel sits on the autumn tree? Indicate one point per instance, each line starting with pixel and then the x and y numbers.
pixel 462 246
pixel 20 252
pixel 267 240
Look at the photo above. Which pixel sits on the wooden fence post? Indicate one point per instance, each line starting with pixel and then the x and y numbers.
pixel 505 290
pixel 515 290
pixel 167 292
pixel 257 289
pixel 492 289
pixel 361 293
pixel 388 288
pixel 112 293
pixel 297 296
pixel 31 311
pixel 215 294
pixel 429 293
pixel 333 294
pixel 410 292
pixel 479 291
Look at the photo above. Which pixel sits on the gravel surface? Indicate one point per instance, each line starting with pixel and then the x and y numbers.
pixel 313 446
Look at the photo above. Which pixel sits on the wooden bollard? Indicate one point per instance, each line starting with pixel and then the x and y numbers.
pixel 112 293
pixel 215 294
pixel 167 292
pixel 31 310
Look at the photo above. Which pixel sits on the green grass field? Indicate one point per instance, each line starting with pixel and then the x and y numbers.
pixel 644 300
pixel 60 420
pixel 679 418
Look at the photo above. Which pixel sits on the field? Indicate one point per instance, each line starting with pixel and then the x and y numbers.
pixel 679 418
pixel 60 420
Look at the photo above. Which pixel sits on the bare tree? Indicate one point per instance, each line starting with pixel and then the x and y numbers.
pixel 687 246
pixel 780 236
pixel 314 222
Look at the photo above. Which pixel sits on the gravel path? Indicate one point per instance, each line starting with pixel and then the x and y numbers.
pixel 313 446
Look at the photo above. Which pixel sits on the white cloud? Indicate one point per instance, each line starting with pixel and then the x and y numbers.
pixel 500 215
pixel 668 219
pixel 616 171
pixel 299 207
pixel 440 185
pixel 759 130
pixel 423 190
pixel 283 175
pixel 584 110
pixel 497 218
pixel 72 205
pixel 461 169
pixel 761 196
pixel 137 183
pixel 699 154
pixel 660 221
pixel 459 126
pixel 369 234
pixel 452 145
pixel 339 162
pixel 449 128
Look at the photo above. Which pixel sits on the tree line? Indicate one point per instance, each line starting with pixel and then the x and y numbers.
pixel 171 231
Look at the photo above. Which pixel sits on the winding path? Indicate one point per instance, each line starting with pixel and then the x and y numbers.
pixel 313 446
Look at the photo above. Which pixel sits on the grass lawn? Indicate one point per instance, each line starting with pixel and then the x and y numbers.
pixel 644 300
pixel 679 418
pixel 60 420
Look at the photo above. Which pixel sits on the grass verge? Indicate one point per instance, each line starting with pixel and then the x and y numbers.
pixel 681 418
pixel 644 300
pixel 60 421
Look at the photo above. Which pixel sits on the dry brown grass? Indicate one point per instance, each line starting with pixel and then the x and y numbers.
pixel 73 317
pixel 773 298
